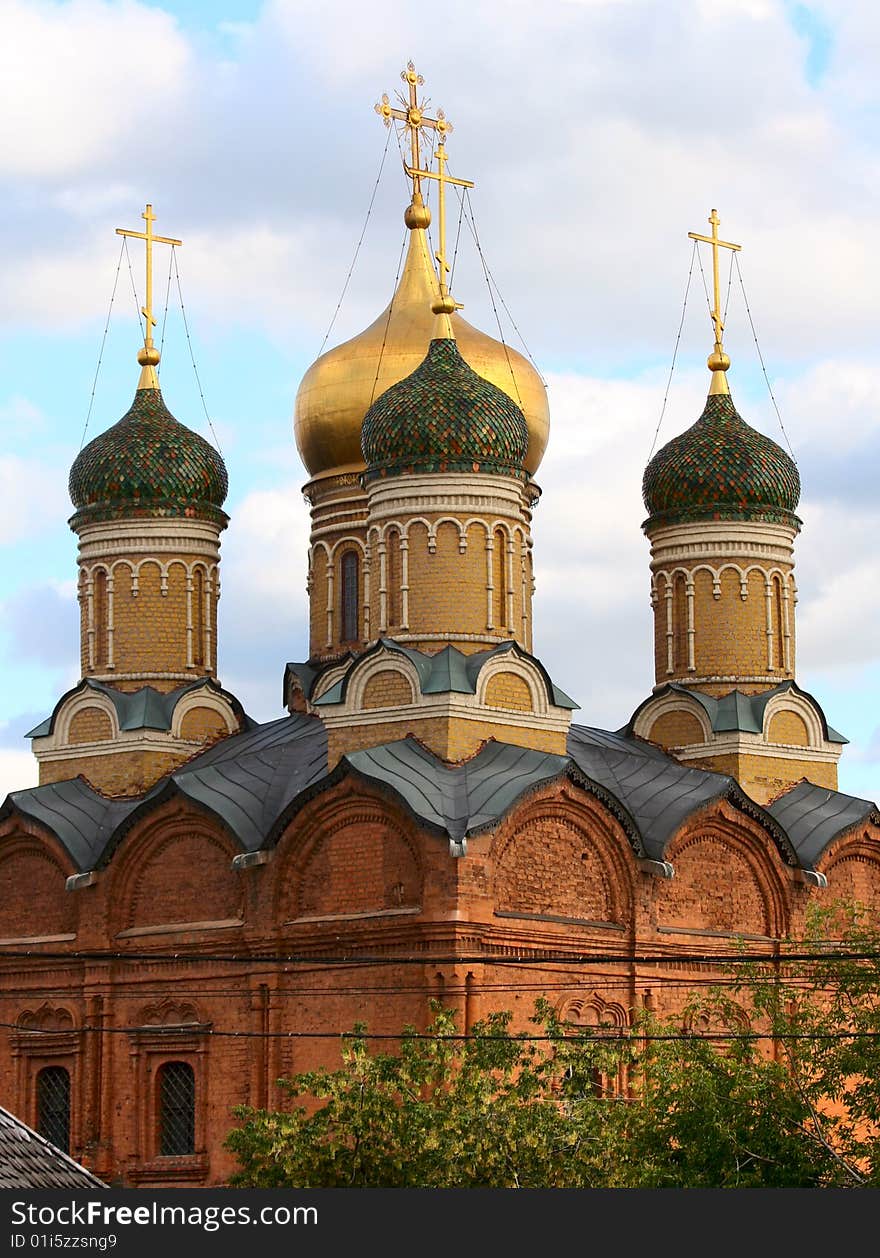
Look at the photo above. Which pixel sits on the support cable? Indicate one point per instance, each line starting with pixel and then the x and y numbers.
pixel 674 353
pixel 358 247
pixel 388 320
pixel 761 359
pixel 103 343
pixel 191 354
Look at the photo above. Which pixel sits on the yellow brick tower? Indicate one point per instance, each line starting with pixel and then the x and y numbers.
pixel 421 551
pixel 359 585
pixel 148 495
pixel 721 500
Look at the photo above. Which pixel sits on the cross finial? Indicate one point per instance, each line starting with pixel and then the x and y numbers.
pixel 412 114
pixel 148 357
pixel 718 362
pixel 445 304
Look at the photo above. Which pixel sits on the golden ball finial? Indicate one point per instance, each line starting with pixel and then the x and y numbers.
pixel 148 356
pixel 417 214
pixel 718 360
pixel 444 304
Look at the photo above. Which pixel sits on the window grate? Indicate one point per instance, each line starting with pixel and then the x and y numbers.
pixel 53 1106
pixel 177 1109
pixel 349 596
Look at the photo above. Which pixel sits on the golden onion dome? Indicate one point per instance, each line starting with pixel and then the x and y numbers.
pixel 338 389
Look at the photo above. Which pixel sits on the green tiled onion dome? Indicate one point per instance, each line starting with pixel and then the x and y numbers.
pixel 721 469
pixel 148 464
pixel 444 418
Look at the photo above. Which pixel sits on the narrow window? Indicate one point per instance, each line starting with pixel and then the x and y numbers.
pixel 393 579
pixel 199 618
pixel 101 614
pixel 349 596
pixel 53 1106
pixel 779 661
pixel 499 576
pixel 680 618
pixel 177 1109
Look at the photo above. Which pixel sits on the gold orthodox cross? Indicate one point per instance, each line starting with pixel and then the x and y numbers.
pixel 446 303
pixel 718 360
pixel 415 119
pixel 149 355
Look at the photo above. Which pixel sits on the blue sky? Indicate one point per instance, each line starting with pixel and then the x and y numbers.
pixel 598 133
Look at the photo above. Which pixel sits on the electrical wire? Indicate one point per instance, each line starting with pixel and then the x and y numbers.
pixel 761 358
pixel 191 354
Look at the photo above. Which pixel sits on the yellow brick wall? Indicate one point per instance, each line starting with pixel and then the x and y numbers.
pixel 676 729
pixel 789 728
pixel 202 724
pixel 120 773
pixel 388 689
pixel 506 690
pixel 730 632
pixel 150 628
pixel 447 589
pixel 764 778
pixel 452 740
pixel 91 725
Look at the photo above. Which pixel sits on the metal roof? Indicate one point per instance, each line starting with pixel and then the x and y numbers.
pixel 146 708
pixel 740 712
pixel 28 1160
pixel 443 672
pixel 254 781
pixel 657 793
pixel 814 816
pixel 457 798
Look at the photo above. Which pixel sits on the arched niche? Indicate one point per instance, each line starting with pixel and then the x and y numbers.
pixel 177 873
pixel 33 899
pixel 724 883
pixel 556 861
pixel 352 859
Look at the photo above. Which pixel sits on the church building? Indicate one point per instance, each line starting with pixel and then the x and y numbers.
pixel 194 905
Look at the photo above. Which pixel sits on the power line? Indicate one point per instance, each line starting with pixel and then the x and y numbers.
pixel 589 1035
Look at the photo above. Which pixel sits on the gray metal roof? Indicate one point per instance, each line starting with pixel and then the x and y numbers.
pixel 656 793
pixel 146 708
pixel 254 782
pixel 247 781
pixel 28 1160
pixel 457 798
pixel 740 712
pixel 79 817
pixel 443 672
pixel 813 817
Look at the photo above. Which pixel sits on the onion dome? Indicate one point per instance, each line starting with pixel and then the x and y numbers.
pixel 444 418
pixel 721 469
pixel 338 389
pixel 148 464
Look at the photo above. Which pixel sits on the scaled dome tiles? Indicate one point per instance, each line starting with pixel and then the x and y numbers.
pixel 444 418
pixel 148 464
pixel 721 469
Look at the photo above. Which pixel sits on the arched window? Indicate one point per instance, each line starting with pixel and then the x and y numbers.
pixel 101 617
pixel 393 578
pixel 198 618
pixel 499 577
pixel 349 596
pixel 53 1106
pixel 177 1109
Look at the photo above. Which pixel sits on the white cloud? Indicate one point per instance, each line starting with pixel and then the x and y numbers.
pixel 18 770
pixel 31 498
pixel 78 80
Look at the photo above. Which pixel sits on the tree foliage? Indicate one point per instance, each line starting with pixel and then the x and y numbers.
pixel 718 1107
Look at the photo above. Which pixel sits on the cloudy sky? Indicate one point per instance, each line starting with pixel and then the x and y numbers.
pixel 598 133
